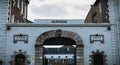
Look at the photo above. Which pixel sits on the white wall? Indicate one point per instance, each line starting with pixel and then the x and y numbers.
pixel 3 21
pixel 83 32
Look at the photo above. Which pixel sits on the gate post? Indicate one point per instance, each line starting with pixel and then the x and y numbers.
pixel 79 55
pixel 38 55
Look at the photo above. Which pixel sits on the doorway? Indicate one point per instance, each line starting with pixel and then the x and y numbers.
pixel 19 59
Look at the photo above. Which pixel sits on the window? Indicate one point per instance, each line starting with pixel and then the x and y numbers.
pixel 94 14
pixel 58 56
pixel 52 60
pixel 66 56
pixel 66 60
pixel 67 49
pixel 72 60
pixel 100 8
pixel 22 6
pixel 18 4
pixel 95 21
pixel 13 2
pixel 51 56
pixel 17 21
pixel 12 20
pixel 25 11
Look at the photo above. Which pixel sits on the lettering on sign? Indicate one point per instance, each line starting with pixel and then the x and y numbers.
pixel 20 37
pixel 58 21
pixel 96 37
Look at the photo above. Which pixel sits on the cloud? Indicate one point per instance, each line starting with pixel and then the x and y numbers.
pixel 49 10
pixel 59 9
pixel 82 7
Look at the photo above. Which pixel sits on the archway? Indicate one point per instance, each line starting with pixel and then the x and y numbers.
pixel 98 58
pixel 19 58
pixel 59 33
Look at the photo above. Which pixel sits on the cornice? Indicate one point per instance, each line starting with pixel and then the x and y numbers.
pixel 60 25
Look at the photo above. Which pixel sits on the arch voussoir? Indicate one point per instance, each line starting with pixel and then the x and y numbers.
pixel 59 33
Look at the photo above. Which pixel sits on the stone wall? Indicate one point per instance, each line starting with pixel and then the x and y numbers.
pixel 113 21
pixel 3 21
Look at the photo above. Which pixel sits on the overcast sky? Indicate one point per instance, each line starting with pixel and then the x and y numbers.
pixel 58 9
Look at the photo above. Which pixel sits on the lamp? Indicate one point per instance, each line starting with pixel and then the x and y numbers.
pixel 108 28
pixel 8 28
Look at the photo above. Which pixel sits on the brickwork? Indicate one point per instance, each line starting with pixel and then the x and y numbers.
pixel 18 11
pixel 98 12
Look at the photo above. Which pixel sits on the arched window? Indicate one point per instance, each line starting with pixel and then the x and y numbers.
pixel 19 59
pixel 98 59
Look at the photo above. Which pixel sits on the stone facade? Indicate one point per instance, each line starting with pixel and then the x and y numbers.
pixel 37 33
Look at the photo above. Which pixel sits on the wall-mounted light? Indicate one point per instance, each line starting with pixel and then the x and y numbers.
pixel 108 28
pixel 96 34
pixel 20 34
pixel 8 28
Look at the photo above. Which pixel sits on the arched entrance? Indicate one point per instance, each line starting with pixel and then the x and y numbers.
pixel 98 58
pixel 20 59
pixel 59 33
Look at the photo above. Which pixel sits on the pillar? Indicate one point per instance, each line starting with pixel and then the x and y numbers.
pixel 79 55
pixel 39 55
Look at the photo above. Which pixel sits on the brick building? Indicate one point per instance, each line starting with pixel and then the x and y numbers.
pixel 18 11
pixel 98 12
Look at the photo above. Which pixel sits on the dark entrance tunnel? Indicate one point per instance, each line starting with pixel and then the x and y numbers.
pixel 98 59
pixel 59 41
pixel 19 59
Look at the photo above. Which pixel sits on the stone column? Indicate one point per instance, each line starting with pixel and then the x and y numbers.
pixel 39 55
pixel 79 55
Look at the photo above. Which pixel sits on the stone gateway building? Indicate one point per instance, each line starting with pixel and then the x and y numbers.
pixel 94 43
